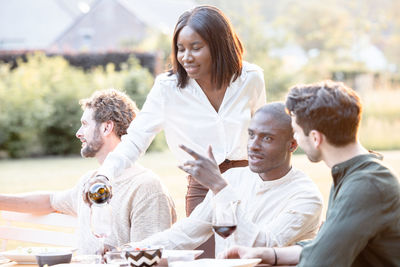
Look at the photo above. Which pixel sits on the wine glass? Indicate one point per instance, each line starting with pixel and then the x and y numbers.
pixel 100 212
pixel 100 222
pixel 224 220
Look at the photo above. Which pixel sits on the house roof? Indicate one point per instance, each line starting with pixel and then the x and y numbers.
pixel 28 25
pixel 161 14
pixel 111 25
pixel 39 24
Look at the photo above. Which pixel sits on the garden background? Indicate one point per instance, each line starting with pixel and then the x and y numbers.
pixel 356 42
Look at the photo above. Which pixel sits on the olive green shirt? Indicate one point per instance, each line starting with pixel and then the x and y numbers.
pixel 362 226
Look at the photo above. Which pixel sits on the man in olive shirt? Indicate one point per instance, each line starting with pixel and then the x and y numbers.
pixel 362 225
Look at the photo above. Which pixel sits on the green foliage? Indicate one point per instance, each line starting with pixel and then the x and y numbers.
pixel 137 81
pixel 39 109
pixel 329 32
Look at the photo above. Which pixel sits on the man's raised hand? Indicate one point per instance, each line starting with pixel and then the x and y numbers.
pixel 204 170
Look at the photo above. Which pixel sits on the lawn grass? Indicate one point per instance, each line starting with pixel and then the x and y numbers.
pixel 61 173
pixel 380 124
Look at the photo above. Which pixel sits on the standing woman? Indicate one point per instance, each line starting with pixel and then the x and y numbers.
pixel 207 98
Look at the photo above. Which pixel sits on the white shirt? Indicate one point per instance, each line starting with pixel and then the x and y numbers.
pixel 188 118
pixel 140 207
pixel 270 213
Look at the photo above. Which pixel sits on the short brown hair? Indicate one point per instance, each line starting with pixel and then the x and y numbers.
pixel 328 107
pixel 113 105
pixel 225 46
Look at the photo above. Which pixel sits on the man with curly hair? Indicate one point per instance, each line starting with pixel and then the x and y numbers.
pixel 140 204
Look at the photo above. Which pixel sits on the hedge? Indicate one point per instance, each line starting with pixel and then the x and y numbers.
pixel 39 109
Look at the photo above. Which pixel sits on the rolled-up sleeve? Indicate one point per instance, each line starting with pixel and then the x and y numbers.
pixel 65 201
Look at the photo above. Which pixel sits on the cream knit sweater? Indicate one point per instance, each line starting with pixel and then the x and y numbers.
pixel 141 206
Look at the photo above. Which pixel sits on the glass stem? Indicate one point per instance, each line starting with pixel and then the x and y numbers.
pixel 228 242
pixel 102 249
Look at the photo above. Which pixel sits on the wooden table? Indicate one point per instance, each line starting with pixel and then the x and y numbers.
pixel 14 264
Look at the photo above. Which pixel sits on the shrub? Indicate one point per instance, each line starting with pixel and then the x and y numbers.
pixel 39 109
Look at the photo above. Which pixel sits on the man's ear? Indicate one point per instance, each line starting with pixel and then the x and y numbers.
pixel 316 138
pixel 107 128
pixel 292 145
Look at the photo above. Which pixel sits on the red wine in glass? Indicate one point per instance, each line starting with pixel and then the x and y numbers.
pixel 224 231
pixel 224 221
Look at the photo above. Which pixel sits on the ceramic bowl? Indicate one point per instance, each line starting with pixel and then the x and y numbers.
pixel 86 259
pixel 143 257
pixel 115 257
pixel 52 258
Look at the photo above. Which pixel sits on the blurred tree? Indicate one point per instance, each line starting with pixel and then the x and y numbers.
pixel 384 30
pixel 316 25
pixel 137 81
pixel 330 33
pixel 32 99
pixel 325 31
pixel 39 109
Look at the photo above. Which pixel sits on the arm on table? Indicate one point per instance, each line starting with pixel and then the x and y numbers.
pixel 360 212
pixel 187 233
pixel 35 202
pixel 300 217
pixel 284 256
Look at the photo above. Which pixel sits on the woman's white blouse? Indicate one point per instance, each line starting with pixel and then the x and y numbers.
pixel 188 118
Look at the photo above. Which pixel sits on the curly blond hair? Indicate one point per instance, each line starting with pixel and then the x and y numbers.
pixel 113 105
